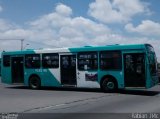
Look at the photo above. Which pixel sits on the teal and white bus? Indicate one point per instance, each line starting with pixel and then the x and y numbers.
pixel 107 67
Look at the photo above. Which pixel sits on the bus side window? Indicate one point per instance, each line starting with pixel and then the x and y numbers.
pixel 88 61
pixel 65 62
pixel 110 60
pixel 140 63
pixel 32 61
pixel 6 60
pixel 129 63
pixel 50 60
pixel 135 63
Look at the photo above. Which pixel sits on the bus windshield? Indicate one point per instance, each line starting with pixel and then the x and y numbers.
pixel 152 60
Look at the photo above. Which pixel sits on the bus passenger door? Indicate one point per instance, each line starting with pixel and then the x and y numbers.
pixel 134 70
pixel 68 70
pixel 17 69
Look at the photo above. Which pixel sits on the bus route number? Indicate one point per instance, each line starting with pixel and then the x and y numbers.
pixel 40 70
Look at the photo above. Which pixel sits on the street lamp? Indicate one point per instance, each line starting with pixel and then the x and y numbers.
pixel 25 46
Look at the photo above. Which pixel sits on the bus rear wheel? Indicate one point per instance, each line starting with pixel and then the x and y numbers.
pixel 34 82
pixel 109 85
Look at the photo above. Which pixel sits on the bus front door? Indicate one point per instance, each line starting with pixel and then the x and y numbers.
pixel 134 70
pixel 68 70
pixel 17 70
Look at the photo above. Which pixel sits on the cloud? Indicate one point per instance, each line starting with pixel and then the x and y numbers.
pixel 63 10
pixel 4 25
pixel 61 16
pixel 117 11
pixel 147 27
pixel 57 29
pixel 60 29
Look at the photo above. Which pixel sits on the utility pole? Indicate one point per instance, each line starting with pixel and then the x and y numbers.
pixel 22 44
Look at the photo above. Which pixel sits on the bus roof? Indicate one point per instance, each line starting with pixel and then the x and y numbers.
pixel 81 49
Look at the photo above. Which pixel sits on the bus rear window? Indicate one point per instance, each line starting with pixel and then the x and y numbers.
pixel 6 60
pixel 32 61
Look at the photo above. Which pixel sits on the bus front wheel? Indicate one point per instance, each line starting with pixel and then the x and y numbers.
pixel 109 85
pixel 34 82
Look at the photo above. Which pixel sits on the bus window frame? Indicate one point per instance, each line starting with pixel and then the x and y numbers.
pixel 112 51
pixel 33 67
pixel 87 53
pixel 49 54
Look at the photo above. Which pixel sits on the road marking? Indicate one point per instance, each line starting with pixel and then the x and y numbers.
pixel 64 104
pixel 51 106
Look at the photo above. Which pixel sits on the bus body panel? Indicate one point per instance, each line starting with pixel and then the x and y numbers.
pixel 6 75
pixel 87 79
pixel 48 77
pixel 7 71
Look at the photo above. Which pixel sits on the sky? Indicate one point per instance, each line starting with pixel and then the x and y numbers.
pixel 74 23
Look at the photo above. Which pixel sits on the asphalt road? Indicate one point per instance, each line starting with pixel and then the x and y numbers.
pixel 20 99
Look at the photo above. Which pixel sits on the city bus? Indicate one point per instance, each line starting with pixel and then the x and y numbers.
pixel 108 67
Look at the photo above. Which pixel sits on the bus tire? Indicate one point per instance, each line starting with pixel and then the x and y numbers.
pixel 34 82
pixel 109 84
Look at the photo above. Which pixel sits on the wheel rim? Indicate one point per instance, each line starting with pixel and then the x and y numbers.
pixel 110 85
pixel 34 83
